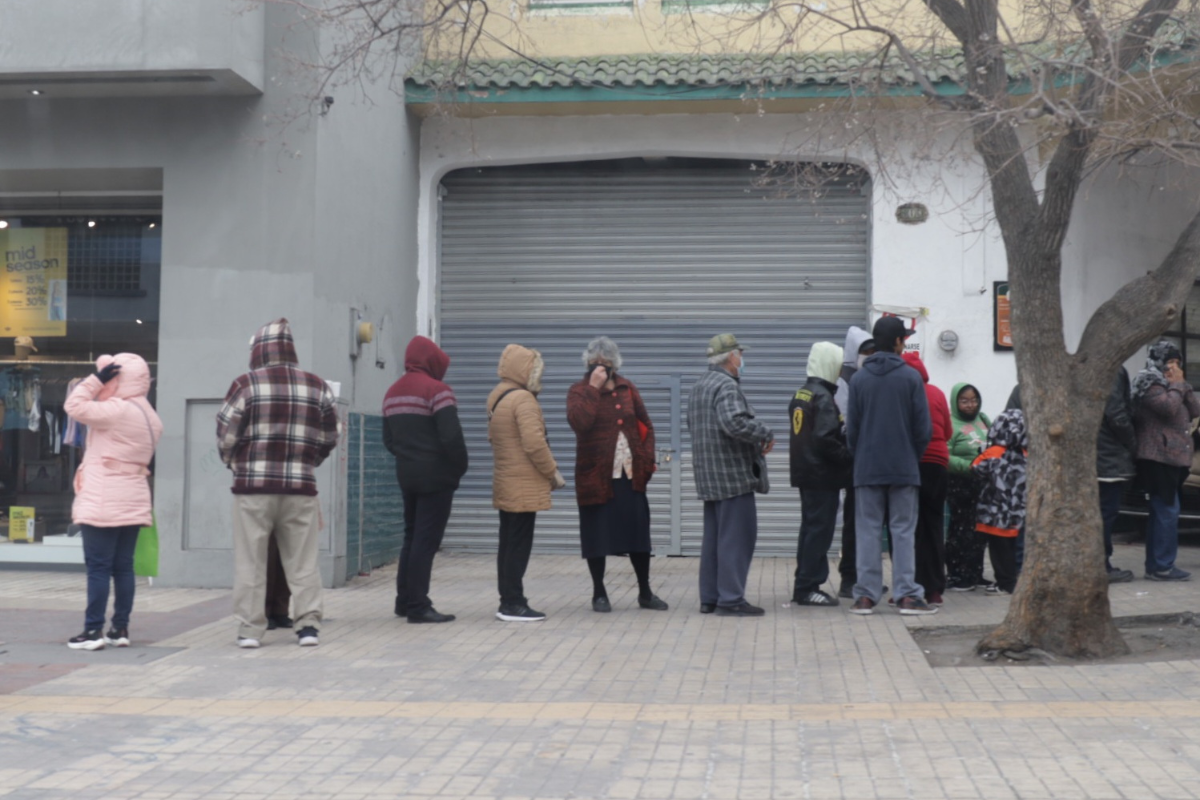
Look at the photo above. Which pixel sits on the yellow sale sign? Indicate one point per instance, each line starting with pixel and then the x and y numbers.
pixel 33 283
pixel 20 523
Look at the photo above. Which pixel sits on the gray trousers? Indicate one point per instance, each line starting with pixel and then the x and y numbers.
pixel 896 506
pixel 730 533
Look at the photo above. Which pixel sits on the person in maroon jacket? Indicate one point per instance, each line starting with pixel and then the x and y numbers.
pixel 614 459
pixel 930 544
pixel 421 429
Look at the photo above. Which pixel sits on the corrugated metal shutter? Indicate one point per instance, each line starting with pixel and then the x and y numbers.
pixel 659 256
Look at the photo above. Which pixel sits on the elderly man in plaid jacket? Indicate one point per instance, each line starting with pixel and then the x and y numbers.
pixel 278 422
pixel 728 455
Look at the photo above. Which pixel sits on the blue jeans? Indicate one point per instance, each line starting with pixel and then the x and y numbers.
pixel 897 507
pixel 108 553
pixel 1162 533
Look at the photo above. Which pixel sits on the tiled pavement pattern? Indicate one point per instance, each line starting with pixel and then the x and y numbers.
pixel 633 704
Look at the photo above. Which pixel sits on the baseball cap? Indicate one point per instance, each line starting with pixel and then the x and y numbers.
pixel 24 341
pixel 889 329
pixel 723 343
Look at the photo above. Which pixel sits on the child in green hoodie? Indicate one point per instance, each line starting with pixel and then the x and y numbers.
pixel 965 545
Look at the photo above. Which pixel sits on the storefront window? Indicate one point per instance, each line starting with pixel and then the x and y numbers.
pixel 77 287
pixel 1187 334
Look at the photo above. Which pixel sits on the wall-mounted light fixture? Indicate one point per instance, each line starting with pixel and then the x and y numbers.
pixel 948 341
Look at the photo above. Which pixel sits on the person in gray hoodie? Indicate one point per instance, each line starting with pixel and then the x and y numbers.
pixel 888 428
pixel 859 346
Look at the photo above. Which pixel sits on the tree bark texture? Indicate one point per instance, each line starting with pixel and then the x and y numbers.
pixel 1061 601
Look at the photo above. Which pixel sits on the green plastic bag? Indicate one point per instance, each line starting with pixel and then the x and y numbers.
pixel 145 553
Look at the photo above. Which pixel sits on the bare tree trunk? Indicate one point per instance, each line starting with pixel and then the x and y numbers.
pixel 1061 601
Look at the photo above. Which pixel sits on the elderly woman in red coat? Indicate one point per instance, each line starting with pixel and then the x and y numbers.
pixel 614 459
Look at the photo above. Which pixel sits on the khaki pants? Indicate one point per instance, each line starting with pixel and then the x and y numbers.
pixel 294 520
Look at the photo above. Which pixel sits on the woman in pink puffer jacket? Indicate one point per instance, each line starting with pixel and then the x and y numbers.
pixel 112 494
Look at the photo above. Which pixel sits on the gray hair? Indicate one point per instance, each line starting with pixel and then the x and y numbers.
pixel 605 348
pixel 717 361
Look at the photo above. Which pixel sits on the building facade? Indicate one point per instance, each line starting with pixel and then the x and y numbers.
pixel 595 193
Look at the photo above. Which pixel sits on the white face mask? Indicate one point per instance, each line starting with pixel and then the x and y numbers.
pixel 862 357
pixel 741 364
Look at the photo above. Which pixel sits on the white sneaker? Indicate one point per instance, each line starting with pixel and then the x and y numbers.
pixel 248 643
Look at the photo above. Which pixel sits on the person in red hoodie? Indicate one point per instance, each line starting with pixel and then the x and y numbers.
pixel 421 429
pixel 930 544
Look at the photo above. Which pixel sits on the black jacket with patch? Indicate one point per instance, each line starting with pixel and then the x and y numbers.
pixel 820 458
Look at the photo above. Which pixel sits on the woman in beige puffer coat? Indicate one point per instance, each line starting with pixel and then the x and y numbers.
pixel 523 475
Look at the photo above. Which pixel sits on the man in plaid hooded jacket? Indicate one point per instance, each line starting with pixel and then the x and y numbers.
pixel 278 423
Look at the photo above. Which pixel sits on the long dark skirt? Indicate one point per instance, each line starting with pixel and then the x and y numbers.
pixel 618 527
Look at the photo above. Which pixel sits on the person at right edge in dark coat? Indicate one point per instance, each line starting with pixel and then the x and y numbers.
pixel 1163 407
pixel 421 429
pixel 1115 447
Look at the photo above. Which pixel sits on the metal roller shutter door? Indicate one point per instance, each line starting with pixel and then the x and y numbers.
pixel 659 256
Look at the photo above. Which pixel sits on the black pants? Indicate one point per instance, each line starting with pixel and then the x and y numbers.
pixel 930 542
pixel 847 567
pixel 964 544
pixel 818 518
pixel 516 543
pixel 425 517
pixel 279 596
pixel 1110 511
pixel 1003 552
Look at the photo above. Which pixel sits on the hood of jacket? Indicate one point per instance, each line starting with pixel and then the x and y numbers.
pixel 914 361
pixel 958 389
pixel 523 366
pixel 854 340
pixel 825 361
pixel 272 345
pixel 422 355
pixel 132 381
pixel 1008 430
pixel 883 363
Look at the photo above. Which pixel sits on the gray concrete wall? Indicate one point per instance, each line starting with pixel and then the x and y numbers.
pixel 66 36
pixel 259 221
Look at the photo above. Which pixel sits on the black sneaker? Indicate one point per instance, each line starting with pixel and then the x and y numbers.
pixel 915 606
pixel 740 610
pixel 519 614
pixel 846 590
pixel 1116 575
pixel 601 605
pixel 278 622
pixel 653 603
pixel 118 637
pixel 307 637
pixel 863 606
pixel 429 615
pixel 1172 574
pixel 817 598
pixel 88 640
pixel 708 608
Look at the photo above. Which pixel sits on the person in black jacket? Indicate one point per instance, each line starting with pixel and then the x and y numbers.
pixel 1115 447
pixel 821 467
pixel 421 429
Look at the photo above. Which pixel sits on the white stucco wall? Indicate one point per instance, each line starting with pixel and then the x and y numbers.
pixel 259 222
pixel 1126 221
pixel 946 265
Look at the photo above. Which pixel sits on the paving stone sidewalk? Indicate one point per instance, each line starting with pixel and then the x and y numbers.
pixel 804 702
